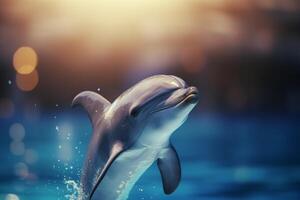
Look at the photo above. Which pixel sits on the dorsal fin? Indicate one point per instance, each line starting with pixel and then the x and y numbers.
pixel 93 103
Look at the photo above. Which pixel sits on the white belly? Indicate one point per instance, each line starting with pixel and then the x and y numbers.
pixel 124 173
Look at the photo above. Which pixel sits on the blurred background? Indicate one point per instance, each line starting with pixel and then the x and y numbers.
pixel 241 141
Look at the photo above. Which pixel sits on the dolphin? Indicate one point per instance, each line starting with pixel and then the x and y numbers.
pixel 133 132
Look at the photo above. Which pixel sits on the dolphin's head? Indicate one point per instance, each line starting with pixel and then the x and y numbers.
pixel 161 104
pixel 162 93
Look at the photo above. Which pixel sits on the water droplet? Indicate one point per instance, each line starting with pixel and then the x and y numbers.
pixel 98 89
pixel 9 82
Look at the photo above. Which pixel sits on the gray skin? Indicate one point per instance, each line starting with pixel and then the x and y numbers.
pixel 132 133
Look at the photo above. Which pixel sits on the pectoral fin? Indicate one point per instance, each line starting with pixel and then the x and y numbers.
pixel 170 170
pixel 93 103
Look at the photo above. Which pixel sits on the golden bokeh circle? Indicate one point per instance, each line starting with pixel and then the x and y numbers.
pixel 25 60
pixel 27 82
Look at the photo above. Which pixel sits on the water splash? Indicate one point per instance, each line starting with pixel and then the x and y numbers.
pixel 74 190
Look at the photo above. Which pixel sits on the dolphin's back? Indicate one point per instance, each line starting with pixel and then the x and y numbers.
pixel 95 105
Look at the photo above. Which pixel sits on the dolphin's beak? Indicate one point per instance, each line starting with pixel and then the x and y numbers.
pixel 192 95
pixel 184 96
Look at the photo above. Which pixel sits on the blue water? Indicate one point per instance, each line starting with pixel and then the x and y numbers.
pixel 222 157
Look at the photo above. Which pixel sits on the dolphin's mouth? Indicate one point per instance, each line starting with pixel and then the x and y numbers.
pixel 190 97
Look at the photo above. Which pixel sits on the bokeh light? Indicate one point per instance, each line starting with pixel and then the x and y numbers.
pixel 242 174
pixel 21 170
pixel 17 148
pixel 17 132
pixel 27 82
pixel 25 60
pixel 7 108
pixel 65 132
pixel 31 156
pixel 11 197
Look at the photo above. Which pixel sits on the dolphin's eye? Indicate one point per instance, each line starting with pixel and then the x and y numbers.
pixel 148 102
pixel 134 112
